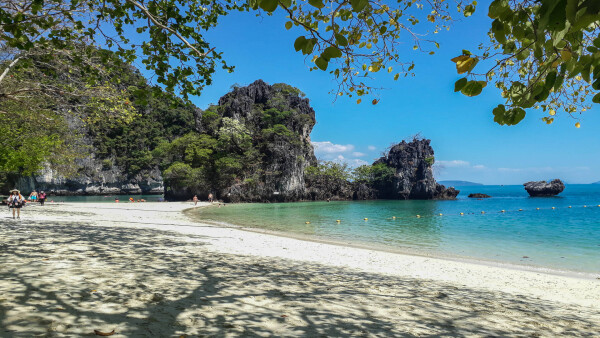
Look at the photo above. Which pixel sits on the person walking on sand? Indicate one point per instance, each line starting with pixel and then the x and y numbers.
pixel 195 199
pixel 42 197
pixel 15 202
pixel 33 196
pixel 210 197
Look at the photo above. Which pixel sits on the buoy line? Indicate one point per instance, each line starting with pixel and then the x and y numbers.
pixel 483 212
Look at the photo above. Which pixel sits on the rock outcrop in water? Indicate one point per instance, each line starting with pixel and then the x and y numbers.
pixel 413 173
pixel 544 189
pixel 479 195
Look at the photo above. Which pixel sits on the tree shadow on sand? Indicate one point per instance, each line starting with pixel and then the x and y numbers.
pixel 65 279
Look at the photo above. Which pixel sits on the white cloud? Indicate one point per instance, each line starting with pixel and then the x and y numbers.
pixel 453 164
pixel 331 148
pixel 479 166
pixel 371 148
pixel 358 154
pixel 356 162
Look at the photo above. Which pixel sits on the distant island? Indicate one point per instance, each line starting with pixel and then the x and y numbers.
pixel 459 183
pixel 596 182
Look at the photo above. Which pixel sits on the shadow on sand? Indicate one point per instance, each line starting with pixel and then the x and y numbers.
pixel 66 279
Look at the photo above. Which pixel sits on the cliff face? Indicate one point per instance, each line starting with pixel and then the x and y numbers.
pixel 276 122
pixel 413 177
pixel 284 156
pixel 94 175
pixel 94 179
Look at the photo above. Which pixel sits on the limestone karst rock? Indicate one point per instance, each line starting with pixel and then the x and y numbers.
pixel 543 188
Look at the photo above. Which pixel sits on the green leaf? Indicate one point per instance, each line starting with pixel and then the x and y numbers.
pixel 596 84
pixel 596 98
pixel 341 40
pixel 497 8
pixel 288 25
pixel 317 3
pixel 585 72
pixel 559 81
pixel 36 6
pixel 473 88
pixel 331 52
pixel 300 43
pixel 321 63
pixel 498 31
pixel 458 85
pixel 571 10
pixel 268 5
pixel 469 10
pixel 550 80
pixel 499 113
pixel 550 13
pixel 358 5
pixel 508 117
pixel 285 3
pixel 309 46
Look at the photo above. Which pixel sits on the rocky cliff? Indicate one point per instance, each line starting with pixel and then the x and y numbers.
pixel 413 176
pixel 116 157
pixel 253 146
pixel 269 126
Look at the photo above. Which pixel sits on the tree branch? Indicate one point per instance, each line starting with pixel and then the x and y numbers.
pixel 12 64
pixel 171 30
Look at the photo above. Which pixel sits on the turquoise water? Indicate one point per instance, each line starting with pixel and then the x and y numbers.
pixel 106 198
pixel 562 238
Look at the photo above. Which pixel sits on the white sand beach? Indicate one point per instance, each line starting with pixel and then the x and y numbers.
pixel 147 270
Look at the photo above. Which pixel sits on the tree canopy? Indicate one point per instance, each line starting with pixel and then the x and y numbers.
pixel 542 53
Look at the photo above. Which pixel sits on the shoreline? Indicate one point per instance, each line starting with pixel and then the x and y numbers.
pixel 146 269
pixel 399 251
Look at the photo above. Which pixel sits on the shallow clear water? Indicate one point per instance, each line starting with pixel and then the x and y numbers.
pixel 561 238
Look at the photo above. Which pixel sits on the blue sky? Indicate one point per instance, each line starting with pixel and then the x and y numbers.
pixel 468 144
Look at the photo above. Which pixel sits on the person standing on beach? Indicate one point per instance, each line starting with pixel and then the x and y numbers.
pixel 33 196
pixel 15 202
pixel 42 197
pixel 195 199
pixel 210 197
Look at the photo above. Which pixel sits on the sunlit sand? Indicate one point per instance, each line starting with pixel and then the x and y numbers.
pixel 145 269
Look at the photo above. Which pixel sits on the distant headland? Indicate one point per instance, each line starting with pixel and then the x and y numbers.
pixel 459 183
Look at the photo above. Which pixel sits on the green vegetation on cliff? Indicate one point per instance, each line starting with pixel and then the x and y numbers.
pixel 229 149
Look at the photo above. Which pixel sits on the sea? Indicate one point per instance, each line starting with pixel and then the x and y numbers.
pixel 558 234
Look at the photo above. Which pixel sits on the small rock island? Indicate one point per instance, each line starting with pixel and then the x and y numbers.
pixel 479 195
pixel 544 189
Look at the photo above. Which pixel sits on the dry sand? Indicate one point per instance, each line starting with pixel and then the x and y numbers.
pixel 146 270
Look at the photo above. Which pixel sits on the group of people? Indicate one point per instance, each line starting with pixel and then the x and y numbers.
pixel 210 198
pixel 131 200
pixel 16 201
